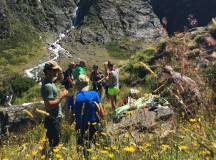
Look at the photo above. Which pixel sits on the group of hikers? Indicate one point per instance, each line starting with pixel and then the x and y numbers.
pixel 83 103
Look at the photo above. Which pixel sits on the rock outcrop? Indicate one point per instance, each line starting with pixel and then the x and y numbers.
pixel 160 121
pixel 147 115
pixel 19 118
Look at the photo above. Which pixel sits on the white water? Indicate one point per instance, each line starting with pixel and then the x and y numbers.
pixel 55 49
pixel 74 15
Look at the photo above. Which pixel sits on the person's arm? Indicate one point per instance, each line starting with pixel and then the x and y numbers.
pixel 101 109
pixel 55 102
pixel 102 77
pixel 91 77
pixel 70 80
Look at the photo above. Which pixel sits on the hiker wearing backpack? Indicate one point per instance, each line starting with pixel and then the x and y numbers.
pixel 52 102
pixel 112 81
pixel 88 112
pixel 68 82
pixel 96 78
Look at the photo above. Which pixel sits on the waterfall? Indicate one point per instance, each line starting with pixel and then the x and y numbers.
pixel 55 49
pixel 74 18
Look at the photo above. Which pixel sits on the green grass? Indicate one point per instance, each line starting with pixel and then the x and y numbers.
pixel 195 139
pixel 32 95
pixel 23 45
pixel 115 50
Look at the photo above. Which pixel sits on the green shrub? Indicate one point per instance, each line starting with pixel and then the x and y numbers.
pixel 146 55
pixel 211 75
pixel 115 50
pixel 199 39
pixel 20 85
pixel 30 95
pixel 150 83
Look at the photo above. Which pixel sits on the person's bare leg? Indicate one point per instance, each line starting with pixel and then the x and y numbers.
pixel 112 100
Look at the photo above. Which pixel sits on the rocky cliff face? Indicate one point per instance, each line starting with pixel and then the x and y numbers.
pixel 135 18
pixel 143 19
pixel 51 15
pixel 4 27
pixel 138 19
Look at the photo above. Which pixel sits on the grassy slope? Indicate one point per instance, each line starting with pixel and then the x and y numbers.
pixel 22 48
pixel 194 138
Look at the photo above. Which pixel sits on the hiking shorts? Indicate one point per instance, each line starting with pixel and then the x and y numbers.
pixel 113 91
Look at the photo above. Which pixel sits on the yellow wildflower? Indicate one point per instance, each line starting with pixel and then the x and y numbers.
pixel 193 120
pixel 60 145
pixel 111 155
pixel 89 150
pixel 183 148
pixel 43 157
pixel 114 148
pixel 204 152
pixel 94 158
pixel 56 150
pixel 147 145
pixel 130 113
pixel 42 140
pixel 40 148
pixel 165 147
pixel 130 149
pixel 5 159
pixel 34 152
pixel 106 148
pixel 58 156
pixel 104 151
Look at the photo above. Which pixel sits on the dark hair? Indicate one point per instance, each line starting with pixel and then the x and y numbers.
pixel 47 68
pixel 82 63
pixel 110 65
pixel 95 66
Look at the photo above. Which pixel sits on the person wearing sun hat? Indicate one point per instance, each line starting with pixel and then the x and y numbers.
pixel 88 110
pixel 52 101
